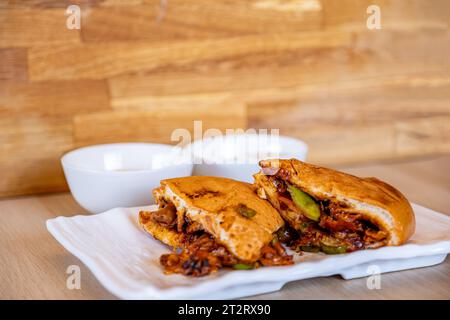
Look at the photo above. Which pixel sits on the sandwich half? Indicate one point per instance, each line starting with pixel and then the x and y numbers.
pixel 214 223
pixel 331 211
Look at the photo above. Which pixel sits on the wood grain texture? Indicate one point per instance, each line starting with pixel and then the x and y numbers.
pixel 53 98
pixel 137 69
pixel 362 102
pixel 201 19
pixel 25 28
pixel 100 60
pixel 428 135
pixel 43 4
pixel 342 13
pixel 155 124
pixel 298 70
pixel 366 121
pixel 30 148
pixel 13 64
pixel 34 264
pixel 343 144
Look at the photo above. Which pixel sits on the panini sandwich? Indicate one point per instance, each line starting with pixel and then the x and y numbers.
pixel 331 211
pixel 211 223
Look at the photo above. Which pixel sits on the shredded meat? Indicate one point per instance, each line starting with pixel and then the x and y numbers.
pixel 194 227
pixel 279 184
pixel 288 203
pixel 338 224
pixel 165 216
pixel 375 238
pixel 202 256
pixel 275 255
pixel 195 259
pixel 181 219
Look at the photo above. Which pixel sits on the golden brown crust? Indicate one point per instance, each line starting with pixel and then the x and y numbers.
pixel 215 194
pixel 212 202
pixel 376 200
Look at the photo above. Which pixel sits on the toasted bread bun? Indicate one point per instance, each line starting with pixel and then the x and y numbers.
pixel 159 232
pixel 213 203
pixel 376 201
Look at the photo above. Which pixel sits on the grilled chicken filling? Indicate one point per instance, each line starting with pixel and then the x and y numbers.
pixel 201 254
pixel 337 229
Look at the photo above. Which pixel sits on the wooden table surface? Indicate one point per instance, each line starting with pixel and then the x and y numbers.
pixel 33 265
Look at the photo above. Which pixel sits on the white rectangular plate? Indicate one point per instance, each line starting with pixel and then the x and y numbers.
pixel 126 260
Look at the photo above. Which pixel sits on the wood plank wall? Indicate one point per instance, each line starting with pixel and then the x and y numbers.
pixel 138 69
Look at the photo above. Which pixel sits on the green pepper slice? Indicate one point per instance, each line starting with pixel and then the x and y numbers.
pixel 245 211
pixel 310 248
pixel 305 203
pixel 333 250
pixel 242 266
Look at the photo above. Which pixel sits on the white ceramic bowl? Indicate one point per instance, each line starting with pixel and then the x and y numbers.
pixel 236 156
pixel 106 176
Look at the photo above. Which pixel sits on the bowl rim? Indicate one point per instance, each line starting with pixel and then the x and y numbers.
pixel 303 146
pixel 66 164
